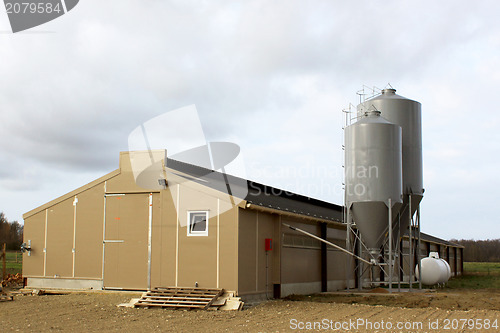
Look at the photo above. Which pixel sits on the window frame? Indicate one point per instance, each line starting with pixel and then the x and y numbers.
pixel 195 233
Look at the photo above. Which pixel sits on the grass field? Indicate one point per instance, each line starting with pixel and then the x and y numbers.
pixel 478 275
pixel 13 266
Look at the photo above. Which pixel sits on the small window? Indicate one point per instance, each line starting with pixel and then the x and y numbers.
pixel 197 223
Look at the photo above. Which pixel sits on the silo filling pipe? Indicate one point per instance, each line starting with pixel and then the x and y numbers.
pixel 327 242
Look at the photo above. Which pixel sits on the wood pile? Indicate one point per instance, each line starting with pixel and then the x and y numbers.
pixel 12 280
pixel 6 297
pixel 227 301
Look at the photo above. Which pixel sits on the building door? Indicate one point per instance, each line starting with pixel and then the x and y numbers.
pixel 126 239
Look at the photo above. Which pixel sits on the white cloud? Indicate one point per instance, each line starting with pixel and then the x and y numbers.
pixel 271 76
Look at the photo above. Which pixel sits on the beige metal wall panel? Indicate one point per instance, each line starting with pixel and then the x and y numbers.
pixel 34 231
pixel 157 240
pixel 265 229
pixel 59 246
pixel 126 236
pixel 181 260
pixel 254 228
pixel 336 233
pixel 72 193
pixel 423 249
pixel 163 266
pixel 228 246
pixel 247 251
pixel 88 236
pixel 311 227
pixel 406 258
pixel 459 260
pixel 451 260
pixel 277 247
pixel 197 256
pixel 300 265
pixel 125 182
pixel 337 260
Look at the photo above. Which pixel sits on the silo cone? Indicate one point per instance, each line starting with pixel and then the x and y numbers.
pixel 372 220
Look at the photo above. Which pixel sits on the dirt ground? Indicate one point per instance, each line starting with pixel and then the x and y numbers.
pixel 418 312
pixel 448 300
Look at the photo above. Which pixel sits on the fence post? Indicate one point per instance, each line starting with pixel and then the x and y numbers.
pixel 4 264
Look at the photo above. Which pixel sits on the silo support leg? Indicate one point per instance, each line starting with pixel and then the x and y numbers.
pixel 419 256
pixel 360 265
pixel 348 247
pixel 398 244
pixel 410 245
pixel 390 246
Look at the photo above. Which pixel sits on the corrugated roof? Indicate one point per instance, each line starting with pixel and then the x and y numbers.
pixel 259 194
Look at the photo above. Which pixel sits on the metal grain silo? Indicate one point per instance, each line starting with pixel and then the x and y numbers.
pixel 373 175
pixel 407 114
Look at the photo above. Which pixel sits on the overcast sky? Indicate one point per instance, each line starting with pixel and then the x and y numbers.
pixel 271 76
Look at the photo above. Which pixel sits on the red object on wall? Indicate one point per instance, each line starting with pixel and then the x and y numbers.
pixel 269 244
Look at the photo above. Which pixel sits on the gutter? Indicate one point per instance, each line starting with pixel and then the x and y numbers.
pixel 296 215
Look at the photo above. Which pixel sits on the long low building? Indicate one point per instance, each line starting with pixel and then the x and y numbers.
pixel 202 228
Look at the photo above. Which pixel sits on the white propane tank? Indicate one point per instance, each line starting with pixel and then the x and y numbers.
pixel 434 270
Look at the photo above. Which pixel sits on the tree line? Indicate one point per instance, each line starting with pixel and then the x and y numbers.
pixel 480 250
pixel 11 233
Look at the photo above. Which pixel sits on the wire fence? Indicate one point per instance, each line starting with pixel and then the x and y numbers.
pixel 14 257
pixel 10 263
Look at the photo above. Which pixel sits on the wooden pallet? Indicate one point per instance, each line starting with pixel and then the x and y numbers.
pixel 193 298
pixel 4 298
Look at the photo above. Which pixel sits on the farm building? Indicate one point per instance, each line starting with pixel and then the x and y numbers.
pixel 112 234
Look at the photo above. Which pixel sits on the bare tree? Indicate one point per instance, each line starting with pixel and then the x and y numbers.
pixel 11 233
pixel 480 250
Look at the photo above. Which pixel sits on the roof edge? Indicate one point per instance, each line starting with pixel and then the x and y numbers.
pixel 291 214
pixel 72 193
pixel 435 240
